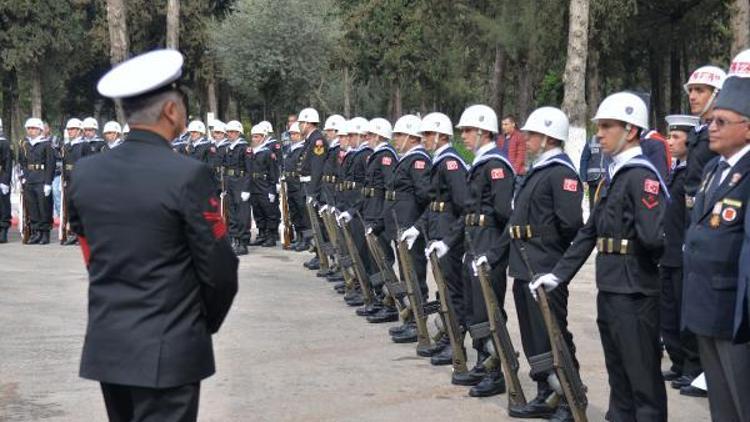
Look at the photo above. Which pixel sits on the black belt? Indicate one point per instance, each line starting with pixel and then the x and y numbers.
pixel 609 245
pixel 437 206
pixel 235 172
pixel 392 195
pixel 479 220
pixel 528 231
pixel 35 166
pixel 329 179
pixel 260 176
pixel 371 192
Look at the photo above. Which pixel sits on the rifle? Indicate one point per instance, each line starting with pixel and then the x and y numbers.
pixel 325 266
pixel 448 315
pixel 499 333
pixel 62 230
pixel 224 203
pixel 393 287
pixel 419 308
pixel 286 238
pixel 344 260
pixel 24 220
pixel 567 374
pixel 359 268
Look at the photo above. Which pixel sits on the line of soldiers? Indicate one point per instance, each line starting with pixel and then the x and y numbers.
pixel 379 189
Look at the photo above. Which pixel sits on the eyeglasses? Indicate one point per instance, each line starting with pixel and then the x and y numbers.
pixel 721 123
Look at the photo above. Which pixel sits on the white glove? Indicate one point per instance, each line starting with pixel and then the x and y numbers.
pixel 410 235
pixel 278 186
pixel 549 281
pixel 245 196
pixel 439 247
pixel 4 189
pixel 369 230
pixel 305 179
pixel 322 210
pixel 271 197
pixel 309 199
pixel 475 264
pixel 47 190
pixel 344 217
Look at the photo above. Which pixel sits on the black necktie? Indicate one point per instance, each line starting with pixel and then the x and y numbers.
pixel 715 182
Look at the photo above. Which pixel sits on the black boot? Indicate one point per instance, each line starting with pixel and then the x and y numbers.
pixel 491 385
pixel 270 240
pixel 436 348
pixel 259 239
pixel 400 328
pixel 72 240
pixel 385 314
pixel 44 240
pixel 563 414
pixel 313 264
pixel 368 310
pixel 354 299
pixel 4 235
pixel 475 375
pixel 409 335
pixel 35 237
pixel 304 243
pixel 540 407
pixel 443 357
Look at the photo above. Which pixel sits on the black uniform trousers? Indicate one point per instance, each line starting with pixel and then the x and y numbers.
pixel 476 309
pixel 419 263
pixel 239 215
pixel 534 338
pixel 629 330
pixel 140 404
pixel 263 212
pixel 38 206
pixel 297 210
pixel 452 268
pixel 4 210
pixel 682 346
pixel 727 367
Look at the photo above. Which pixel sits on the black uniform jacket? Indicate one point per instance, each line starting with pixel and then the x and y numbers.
pixel 353 173
pixel 447 195
pixel 265 170
pixel 407 192
pixel 311 162
pixel 37 160
pixel 712 252
pixel 676 219
pixel 6 161
pixel 162 274
pixel 379 168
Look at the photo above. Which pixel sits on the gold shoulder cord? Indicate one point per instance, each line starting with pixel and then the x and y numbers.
pixel 597 194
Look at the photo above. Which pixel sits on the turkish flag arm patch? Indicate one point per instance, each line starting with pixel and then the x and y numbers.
pixel 387 161
pixel 497 174
pixel 218 228
pixel 570 185
pixel 419 164
pixel 651 186
pixel 451 165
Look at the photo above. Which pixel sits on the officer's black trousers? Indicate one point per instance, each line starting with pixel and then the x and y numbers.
pixel 534 337
pixel 682 346
pixel 474 299
pixel 629 329
pixel 38 206
pixel 419 264
pixel 139 404
pixel 262 211
pixel 452 269
pixel 297 211
pixel 4 210
pixel 239 214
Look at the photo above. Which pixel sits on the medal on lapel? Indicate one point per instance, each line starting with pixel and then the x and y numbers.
pixel 715 219
pixel 735 178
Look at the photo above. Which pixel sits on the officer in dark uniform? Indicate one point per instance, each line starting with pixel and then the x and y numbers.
pixel 76 148
pixel 237 164
pixel 447 194
pixel 407 194
pixel 712 251
pixel 626 227
pixel 274 146
pixel 296 197
pixel 263 188
pixel 681 346
pixel 331 166
pixel 112 134
pixel 96 144
pixel 486 211
pixel 37 159
pixel 162 273
pixel 180 143
pixel 704 85
pixel 6 170
pixel 378 168
pixel 220 144
pixel 200 147
pixel 546 217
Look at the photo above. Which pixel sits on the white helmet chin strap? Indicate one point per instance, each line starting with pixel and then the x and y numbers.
pixel 478 140
pixel 623 140
pixel 709 103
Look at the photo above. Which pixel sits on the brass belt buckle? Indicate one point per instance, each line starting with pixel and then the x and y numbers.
pixel 610 245
pixel 624 246
pixel 528 231
pixel 481 220
pixel 600 244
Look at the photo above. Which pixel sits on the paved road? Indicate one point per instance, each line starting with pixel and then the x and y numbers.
pixel 290 351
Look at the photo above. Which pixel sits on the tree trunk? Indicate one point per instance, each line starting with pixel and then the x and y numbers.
pixel 173 24
pixel 675 77
pixel 657 89
pixel 594 86
pixel 118 40
pixel 36 91
pixel 347 93
pixel 740 24
pixel 574 78
pixel 397 106
pixel 497 87
pixel 524 90
pixel 11 106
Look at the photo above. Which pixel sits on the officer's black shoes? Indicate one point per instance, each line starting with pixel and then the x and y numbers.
pixel 302 245
pixel 268 243
pixel 335 277
pixel 241 249
pixel 436 348
pixel 444 357
pixel 72 240
pixel 259 239
pixel 682 381
pixel 409 335
pixel 355 300
pixel 691 391
pixel 385 314
pixel 670 375
pixel 563 414
pixel 35 237
pixel 44 240
pixel 474 376
pixel 399 328
pixel 312 264
pixel 4 235
pixel 368 310
pixel 491 385
pixel 538 408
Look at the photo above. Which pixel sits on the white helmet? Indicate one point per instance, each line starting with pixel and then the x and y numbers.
pixel 125 129
pixel 258 129
pixel 343 128
pixel 740 66
pixel 266 126
pixel 74 124
pixel 707 75
pixel 334 122
pixel 479 116
pixel 438 123
pixel 197 126
pixel 625 107
pixel 219 126
pixel 90 123
pixel 309 115
pixel 549 121
pixel 408 125
pixel 357 126
pixel 234 125
pixel 112 127
pixel 34 122
pixel 380 127
pixel 294 128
